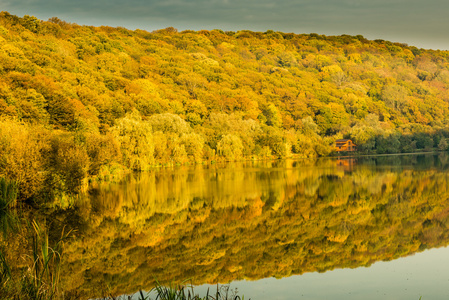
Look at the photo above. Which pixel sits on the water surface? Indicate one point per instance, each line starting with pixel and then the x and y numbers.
pixel 333 228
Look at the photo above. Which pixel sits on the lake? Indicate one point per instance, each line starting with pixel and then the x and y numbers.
pixel 348 228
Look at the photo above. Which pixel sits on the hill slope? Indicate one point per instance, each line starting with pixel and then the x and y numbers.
pixel 94 101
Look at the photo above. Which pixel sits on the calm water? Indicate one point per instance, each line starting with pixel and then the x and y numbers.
pixel 365 228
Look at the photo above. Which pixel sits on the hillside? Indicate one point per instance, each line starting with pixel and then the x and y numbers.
pixel 82 102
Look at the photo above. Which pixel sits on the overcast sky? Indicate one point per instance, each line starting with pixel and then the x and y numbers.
pixel 421 23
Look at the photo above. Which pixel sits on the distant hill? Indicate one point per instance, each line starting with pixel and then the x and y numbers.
pixel 118 99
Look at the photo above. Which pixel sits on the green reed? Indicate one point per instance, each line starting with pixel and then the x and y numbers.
pixel 41 278
pixel 184 292
pixel 44 275
pixel 8 193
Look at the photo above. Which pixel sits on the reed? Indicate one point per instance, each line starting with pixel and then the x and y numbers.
pixel 5 274
pixel 8 193
pixel 186 292
pixel 9 222
pixel 43 277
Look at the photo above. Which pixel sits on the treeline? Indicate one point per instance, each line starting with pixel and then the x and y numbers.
pixel 212 224
pixel 95 102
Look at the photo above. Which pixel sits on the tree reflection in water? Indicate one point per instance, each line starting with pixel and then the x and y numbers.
pixel 253 220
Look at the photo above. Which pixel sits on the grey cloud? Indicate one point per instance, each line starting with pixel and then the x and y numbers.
pixel 408 21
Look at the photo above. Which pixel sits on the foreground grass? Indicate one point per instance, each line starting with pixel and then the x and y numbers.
pixel 41 279
pixel 183 292
pixel 179 292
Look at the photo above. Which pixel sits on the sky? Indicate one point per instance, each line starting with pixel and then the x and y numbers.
pixel 419 23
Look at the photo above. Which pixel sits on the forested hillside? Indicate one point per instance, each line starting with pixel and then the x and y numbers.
pixel 80 102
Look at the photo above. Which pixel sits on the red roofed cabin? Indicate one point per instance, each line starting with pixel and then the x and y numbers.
pixel 345 145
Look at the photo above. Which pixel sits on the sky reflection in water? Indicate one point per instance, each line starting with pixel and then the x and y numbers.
pixel 423 274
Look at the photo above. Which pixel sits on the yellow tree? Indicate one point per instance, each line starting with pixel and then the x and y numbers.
pixel 136 141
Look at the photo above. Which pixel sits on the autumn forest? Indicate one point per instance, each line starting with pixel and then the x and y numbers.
pixel 80 104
